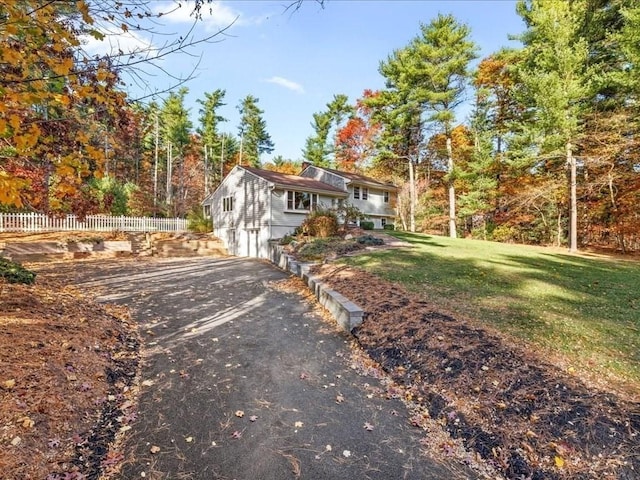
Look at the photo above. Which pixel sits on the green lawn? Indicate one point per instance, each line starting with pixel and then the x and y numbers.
pixel 586 308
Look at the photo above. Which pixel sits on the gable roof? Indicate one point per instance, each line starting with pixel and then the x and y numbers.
pixel 357 177
pixel 294 181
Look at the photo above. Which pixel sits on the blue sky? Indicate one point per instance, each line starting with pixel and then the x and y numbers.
pixel 295 62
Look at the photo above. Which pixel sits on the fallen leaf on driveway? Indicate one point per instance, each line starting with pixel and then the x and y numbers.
pixel 339 398
pixel 188 439
pixel 236 434
pixel 154 449
pixel 298 424
pixel 239 413
pixel 253 418
pixel 368 427
pixel 346 453
pixel 147 383
pixel 9 384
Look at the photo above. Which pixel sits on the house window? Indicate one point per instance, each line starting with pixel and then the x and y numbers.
pixel 303 201
pixel 207 210
pixel 356 192
pixel 227 204
pixel 365 193
pixel 385 196
pixel 383 221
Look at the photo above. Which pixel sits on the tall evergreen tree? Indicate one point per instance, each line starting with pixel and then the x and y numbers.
pixel 556 82
pixel 425 83
pixel 440 72
pixel 176 133
pixel 210 137
pixel 318 149
pixel 254 138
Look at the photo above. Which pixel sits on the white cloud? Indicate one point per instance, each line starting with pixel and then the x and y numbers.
pixel 215 16
pixel 112 44
pixel 288 84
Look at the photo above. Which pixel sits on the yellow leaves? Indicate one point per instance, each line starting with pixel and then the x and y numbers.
pixel 10 56
pixel 102 74
pixel 83 8
pixel 10 187
pixel 9 384
pixel 14 122
pixel 26 422
pixel 63 67
pixel 558 461
pixel 27 140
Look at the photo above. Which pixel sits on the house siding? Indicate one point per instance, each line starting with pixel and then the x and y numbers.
pixel 285 222
pixel 326 177
pixel 374 205
pixel 245 229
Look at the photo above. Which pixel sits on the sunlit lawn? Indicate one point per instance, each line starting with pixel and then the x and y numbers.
pixel 586 308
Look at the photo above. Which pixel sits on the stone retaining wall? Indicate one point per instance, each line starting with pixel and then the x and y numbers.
pixel 347 314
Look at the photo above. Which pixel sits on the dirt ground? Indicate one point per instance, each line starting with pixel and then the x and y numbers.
pixel 68 386
pixel 67 376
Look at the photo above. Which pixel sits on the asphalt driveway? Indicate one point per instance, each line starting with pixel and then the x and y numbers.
pixel 243 380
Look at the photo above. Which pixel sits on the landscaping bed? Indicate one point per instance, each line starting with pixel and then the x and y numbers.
pixel 519 413
pixel 67 382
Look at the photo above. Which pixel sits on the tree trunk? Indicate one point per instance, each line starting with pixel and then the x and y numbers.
pixel 452 192
pixel 155 168
pixel 573 217
pixel 412 197
pixel 206 170
pixel 169 172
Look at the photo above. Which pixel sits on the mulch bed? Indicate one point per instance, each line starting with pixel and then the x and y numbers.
pixel 66 383
pixel 522 415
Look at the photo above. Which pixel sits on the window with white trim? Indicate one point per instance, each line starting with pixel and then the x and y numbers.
pixel 383 221
pixel 365 193
pixel 385 197
pixel 227 204
pixel 301 201
pixel 356 193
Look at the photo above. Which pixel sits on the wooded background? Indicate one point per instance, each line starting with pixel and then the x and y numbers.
pixel 548 155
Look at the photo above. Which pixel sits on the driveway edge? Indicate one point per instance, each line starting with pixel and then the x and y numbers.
pixel 347 314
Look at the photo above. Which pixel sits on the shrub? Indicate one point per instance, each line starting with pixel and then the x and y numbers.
pixel 366 224
pixel 287 239
pixel 321 223
pixel 389 226
pixel 369 240
pixel 199 222
pixel 16 273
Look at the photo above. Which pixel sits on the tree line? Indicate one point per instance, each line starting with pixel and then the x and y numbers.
pixel 71 141
pixel 548 154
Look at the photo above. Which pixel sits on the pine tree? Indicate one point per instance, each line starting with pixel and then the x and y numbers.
pixel 254 138
pixel 556 82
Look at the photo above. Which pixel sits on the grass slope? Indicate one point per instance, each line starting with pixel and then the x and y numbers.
pixel 587 309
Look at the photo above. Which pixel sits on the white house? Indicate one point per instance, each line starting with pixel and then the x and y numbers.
pixel 252 206
pixel 375 199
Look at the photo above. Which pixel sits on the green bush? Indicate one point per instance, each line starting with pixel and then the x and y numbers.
pixel 16 273
pixel 320 248
pixel 366 225
pixel 287 239
pixel 389 226
pixel 198 222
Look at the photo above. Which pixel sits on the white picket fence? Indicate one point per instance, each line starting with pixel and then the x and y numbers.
pixel 35 222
